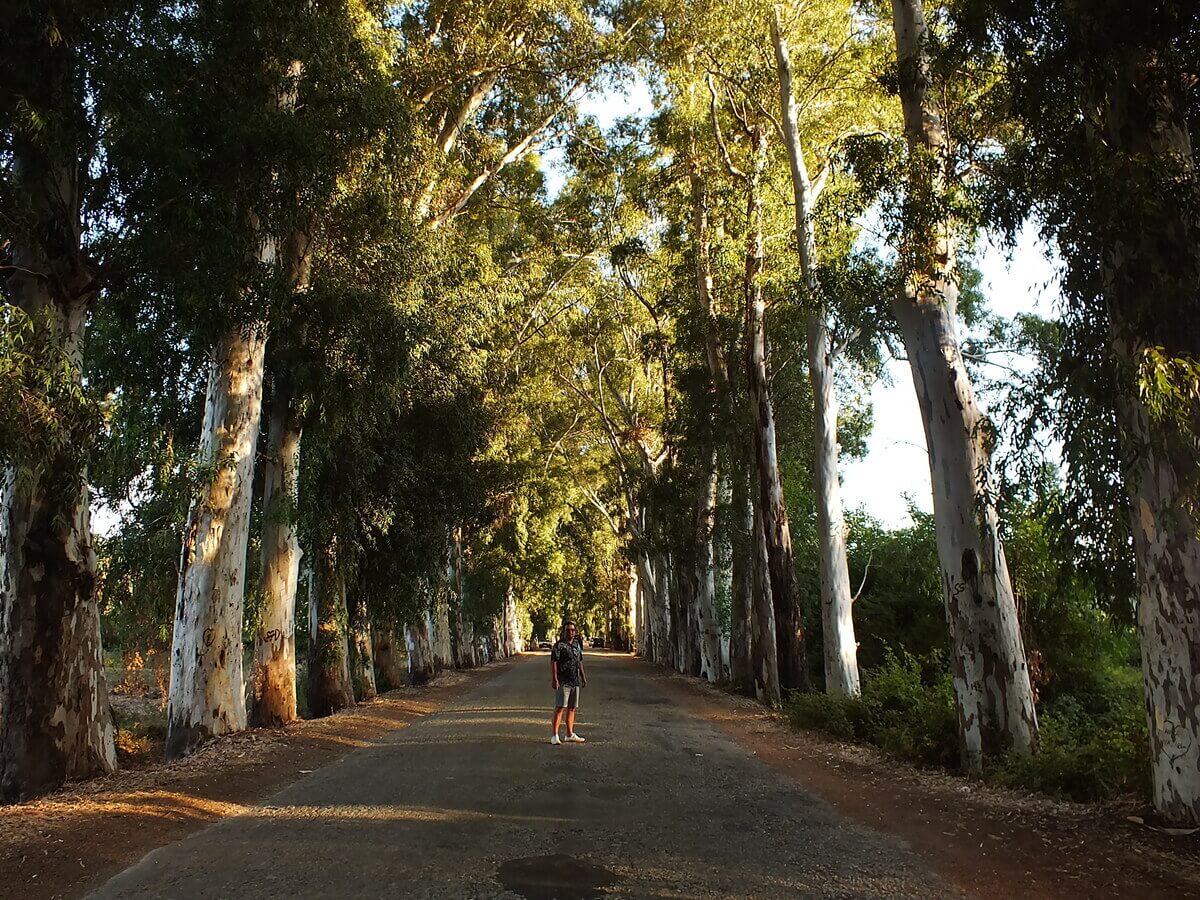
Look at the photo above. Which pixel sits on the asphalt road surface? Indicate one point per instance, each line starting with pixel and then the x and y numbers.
pixel 473 801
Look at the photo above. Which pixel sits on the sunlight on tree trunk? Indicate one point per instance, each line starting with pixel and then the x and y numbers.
pixel 841 649
pixel 991 678
pixel 207 696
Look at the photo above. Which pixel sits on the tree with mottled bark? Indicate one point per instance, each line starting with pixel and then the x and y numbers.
pixel 993 694
pixel 55 721
pixel 841 649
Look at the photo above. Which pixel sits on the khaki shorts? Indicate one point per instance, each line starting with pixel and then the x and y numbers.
pixel 566 695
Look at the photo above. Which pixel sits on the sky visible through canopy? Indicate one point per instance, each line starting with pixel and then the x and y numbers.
pixel 895 472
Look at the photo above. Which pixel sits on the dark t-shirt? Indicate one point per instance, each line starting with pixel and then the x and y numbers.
pixel 567 660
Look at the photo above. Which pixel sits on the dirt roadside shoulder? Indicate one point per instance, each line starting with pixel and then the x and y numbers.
pixel 988 842
pixel 69 842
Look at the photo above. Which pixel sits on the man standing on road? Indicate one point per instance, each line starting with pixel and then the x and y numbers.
pixel 567 677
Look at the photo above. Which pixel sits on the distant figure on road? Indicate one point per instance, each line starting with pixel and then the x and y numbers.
pixel 567 677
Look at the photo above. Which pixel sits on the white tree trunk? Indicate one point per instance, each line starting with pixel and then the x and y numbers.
pixel 841 649
pixel 661 614
pixel 633 598
pixel 991 678
pixel 1167 545
pixel 514 643
pixel 207 694
pixel 706 577
pixel 1149 267
pixel 275 637
pixel 438 619
pixel 742 593
pixel 420 659
pixel 789 642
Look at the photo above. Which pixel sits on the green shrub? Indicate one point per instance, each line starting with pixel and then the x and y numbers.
pixel 906 708
pixel 1093 747
pixel 909 709
pixel 842 717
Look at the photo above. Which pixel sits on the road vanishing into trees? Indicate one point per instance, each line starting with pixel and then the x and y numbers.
pixel 473 801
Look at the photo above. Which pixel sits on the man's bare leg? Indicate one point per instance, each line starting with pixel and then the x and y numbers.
pixel 558 713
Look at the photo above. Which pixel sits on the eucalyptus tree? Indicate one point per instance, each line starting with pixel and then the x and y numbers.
pixel 493 83
pixel 231 152
pixel 991 677
pixel 828 57
pixel 55 721
pixel 1105 104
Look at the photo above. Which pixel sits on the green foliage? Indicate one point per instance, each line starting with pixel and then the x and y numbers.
pixel 1093 747
pixel 906 708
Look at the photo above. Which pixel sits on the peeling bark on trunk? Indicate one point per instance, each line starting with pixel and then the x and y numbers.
pixel 55 720
pixel 207 696
pixel 687 645
pixel 329 684
pixel 275 638
pixel 789 633
pixel 991 679
pixel 742 595
pixel 661 614
pixel 840 647
pixel 1155 262
pixel 362 655
pixel 439 632
pixel 767 687
pixel 420 659
pixel 389 673
pixel 707 625
pixel 274 675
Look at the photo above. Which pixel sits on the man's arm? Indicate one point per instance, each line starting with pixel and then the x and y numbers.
pixel 582 673
pixel 554 669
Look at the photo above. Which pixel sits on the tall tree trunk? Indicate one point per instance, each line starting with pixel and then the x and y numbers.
pixel 420 658
pixel 991 678
pixel 462 633
pixel 742 666
pixel 687 613
pixel 330 687
pixel 766 658
pixel 625 634
pixel 789 633
pixel 275 637
pixel 389 674
pixel 207 695
pixel 841 649
pixel 362 655
pixel 661 614
pixel 645 603
pixel 1152 264
pixel 55 719
pixel 513 642
pixel 707 625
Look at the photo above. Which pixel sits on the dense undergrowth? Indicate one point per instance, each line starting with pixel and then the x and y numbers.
pixel 1093 739
pixel 1082 654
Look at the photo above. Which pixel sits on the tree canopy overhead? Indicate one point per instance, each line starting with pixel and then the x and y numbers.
pixel 359 333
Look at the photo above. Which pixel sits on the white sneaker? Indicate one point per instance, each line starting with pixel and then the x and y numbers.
pixel 555 740
pixel 575 739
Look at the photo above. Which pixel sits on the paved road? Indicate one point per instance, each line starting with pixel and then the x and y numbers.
pixel 474 802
